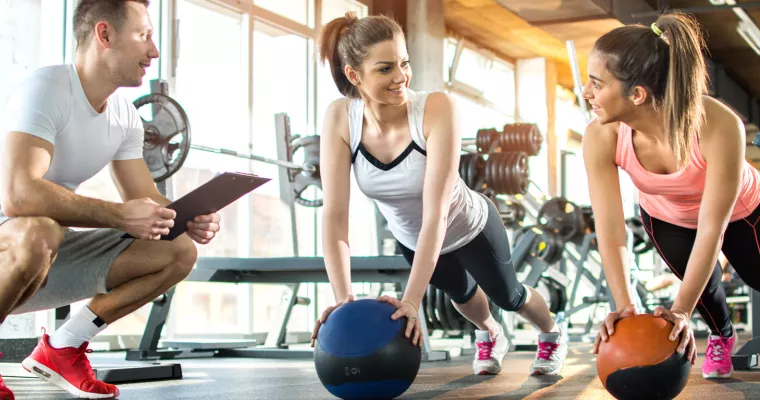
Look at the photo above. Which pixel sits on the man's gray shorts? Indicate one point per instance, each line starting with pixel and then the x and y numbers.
pixel 80 268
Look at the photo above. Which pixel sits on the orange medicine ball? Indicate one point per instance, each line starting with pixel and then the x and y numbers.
pixel 640 361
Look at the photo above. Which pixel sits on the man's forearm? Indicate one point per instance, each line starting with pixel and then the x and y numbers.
pixel 158 198
pixel 42 198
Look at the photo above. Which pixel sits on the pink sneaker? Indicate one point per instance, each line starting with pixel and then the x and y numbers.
pixel 490 353
pixel 718 357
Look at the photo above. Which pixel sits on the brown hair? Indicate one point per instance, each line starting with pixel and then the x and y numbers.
pixel 345 40
pixel 90 12
pixel 667 60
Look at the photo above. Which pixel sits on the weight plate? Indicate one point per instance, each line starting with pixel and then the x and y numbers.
pixel 167 134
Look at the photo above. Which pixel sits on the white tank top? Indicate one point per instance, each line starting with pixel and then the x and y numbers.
pixel 397 187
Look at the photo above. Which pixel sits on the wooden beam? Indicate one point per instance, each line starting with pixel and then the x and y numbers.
pixel 584 18
pixel 735 57
pixel 395 9
pixel 493 27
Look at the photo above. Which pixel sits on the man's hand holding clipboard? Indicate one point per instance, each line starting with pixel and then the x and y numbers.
pixel 196 212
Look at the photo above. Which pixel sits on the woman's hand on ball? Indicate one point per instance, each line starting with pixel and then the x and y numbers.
pixel 608 325
pixel 681 329
pixel 323 318
pixel 408 310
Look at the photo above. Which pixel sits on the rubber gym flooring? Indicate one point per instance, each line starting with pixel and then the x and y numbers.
pixel 247 379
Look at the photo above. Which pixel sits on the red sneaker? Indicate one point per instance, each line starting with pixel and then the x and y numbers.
pixel 69 369
pixel 5 393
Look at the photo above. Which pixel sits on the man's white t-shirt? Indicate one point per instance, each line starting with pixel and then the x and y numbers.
pixel 50 104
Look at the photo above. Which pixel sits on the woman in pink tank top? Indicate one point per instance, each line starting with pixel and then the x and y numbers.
pixel 684 151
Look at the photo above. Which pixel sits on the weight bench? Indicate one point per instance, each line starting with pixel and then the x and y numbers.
pixel 293 271
pixel 285 270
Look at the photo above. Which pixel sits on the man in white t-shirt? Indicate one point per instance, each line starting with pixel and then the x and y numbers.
pixel 62 125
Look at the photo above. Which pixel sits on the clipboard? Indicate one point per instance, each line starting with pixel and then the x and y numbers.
pixel 219 192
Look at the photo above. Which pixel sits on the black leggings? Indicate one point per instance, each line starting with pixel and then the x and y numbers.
pixel 740 246
pixel 485 261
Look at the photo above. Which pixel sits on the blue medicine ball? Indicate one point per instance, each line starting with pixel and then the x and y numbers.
pixel 361 353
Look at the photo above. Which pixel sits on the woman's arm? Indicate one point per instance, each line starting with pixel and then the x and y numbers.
pixel 723 148
pixel 444 144
pixel 599 148
pixel 335 169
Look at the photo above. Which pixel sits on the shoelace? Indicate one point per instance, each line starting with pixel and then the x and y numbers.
pixel 546 350
pixel 81 358
pixel 484 350
pixel 716 350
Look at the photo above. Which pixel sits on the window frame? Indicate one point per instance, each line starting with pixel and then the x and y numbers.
pixel 474 94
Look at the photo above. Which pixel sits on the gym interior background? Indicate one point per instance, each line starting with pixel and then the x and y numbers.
pixel 234 64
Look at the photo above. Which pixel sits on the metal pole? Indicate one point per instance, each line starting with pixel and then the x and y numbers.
pixel 576 76
pixel 286 164
pixel 254 157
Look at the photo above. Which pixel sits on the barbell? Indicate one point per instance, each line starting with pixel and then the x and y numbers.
pixel 168 141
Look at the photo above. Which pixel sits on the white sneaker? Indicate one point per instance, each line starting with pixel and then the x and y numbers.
pixel 490 352
pixel 552 350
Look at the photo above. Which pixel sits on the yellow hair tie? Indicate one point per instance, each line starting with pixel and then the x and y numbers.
pixel 656 30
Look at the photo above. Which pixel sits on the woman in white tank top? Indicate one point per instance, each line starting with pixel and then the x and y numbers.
pixel 404 148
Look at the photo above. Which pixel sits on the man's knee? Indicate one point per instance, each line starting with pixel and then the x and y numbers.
pixel 184 255
pixel 28 232
pixel 34 241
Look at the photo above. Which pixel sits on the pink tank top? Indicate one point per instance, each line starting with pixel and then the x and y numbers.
pixel 675 198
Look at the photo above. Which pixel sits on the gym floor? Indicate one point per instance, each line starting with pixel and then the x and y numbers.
pixel 246 379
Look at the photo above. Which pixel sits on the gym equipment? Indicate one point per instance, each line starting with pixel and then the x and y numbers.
pixel 507 173
pixel 642 243
pixel 588 268
pixel 287 270
pixel 361 353
pixel 168 142
pixel 485 140
pixel 436 311
pixel 511 211
pixel 640 362
pixel 563 218
pixel 514 138
pixel 521 137
pixel 747 357
pixel 472 170
pixel 547 248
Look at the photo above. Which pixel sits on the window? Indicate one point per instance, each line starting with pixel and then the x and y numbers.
pixel 471 67
pixel 31 37
pixel 475 116
pixel 326 90
pixel 483 85
pixel 332 9
pixel 213 91
pixel 500 89
pixel 280 85
pixel 301 11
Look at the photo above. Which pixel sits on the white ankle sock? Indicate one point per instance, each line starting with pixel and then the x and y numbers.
pixel 80 328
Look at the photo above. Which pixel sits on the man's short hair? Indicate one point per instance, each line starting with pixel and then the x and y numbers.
pixel 90 12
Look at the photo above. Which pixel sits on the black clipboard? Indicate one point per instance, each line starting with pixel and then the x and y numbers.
pixel 212 196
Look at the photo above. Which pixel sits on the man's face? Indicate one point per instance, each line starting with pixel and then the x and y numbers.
pixel 133 49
